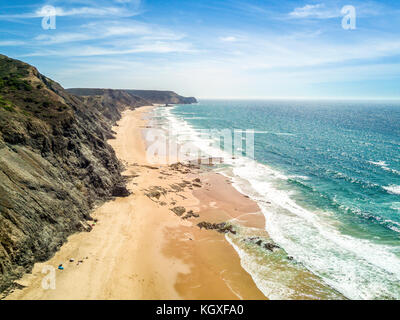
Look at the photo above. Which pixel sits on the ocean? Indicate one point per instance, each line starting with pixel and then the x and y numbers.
pixel 326 175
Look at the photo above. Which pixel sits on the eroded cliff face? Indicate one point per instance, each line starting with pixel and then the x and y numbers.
pixel 112 102
pixel 55 165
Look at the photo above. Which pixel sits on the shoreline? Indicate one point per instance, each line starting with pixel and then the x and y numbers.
pixel 140 249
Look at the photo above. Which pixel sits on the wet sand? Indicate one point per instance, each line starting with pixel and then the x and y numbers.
pixel 141 249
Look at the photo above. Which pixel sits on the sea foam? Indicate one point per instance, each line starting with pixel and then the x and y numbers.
pixel 393 189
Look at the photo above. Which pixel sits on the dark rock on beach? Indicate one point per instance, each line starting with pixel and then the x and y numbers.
pixel 262 243
pixel 183 168
pixel 190 214
pixel 155 192
pixel 120 191
pixel 220 227
pixel 179 211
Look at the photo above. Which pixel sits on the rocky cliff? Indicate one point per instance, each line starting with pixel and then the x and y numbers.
pixel 151 96
pixel 55 164
pixel 162 97
pixel 112 102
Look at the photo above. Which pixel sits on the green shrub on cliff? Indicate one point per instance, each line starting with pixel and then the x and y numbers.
pixel 14 83
pixel 7 105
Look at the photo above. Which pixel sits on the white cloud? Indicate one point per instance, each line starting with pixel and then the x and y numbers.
pixel 135 2
pixel 115 30
pixel 87 11
pixel 85 51
pixel 318 11
pixel 62 38
pixel 11 43
pixel 228 39
pixel 281 53
pixel 81 11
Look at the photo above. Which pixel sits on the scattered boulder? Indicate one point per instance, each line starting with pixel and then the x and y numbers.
pixel 183 168
pixel 270 246
pixel 155 192
pixel 177 187
pixel 120 191
pixel 220 227
pixel 190 214
pixel 179 211
pixel 261 243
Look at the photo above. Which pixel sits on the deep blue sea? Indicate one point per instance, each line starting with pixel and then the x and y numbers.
pixel 327 177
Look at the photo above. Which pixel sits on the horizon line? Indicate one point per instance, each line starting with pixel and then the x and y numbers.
pixel 298 98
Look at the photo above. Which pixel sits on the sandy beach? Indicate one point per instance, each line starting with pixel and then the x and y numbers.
pixel 143 246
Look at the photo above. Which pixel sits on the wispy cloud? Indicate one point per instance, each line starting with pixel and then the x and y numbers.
pixel 11 43
pixel 108 29
pixel 286 52
pixel 86 51
pixel 318 11
pixel 330 10
pixel 113 37
pixel 62 38
pixel 79 11
pixel 228 39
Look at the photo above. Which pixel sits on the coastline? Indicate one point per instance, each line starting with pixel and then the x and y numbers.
pixel 140 249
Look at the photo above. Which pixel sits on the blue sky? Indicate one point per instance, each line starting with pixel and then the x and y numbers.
pixel 212 49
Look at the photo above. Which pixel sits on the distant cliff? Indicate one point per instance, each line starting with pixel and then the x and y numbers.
pixel 55 164
pixel 112 102
pixel 151 96
pixel 161 97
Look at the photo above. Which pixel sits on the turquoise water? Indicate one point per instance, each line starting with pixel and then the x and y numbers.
pixel 331 174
